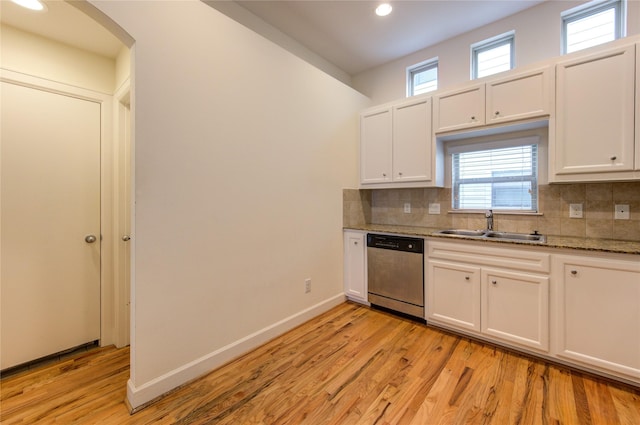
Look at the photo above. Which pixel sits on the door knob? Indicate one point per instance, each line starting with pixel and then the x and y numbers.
pixel 90 239
pixel 126 238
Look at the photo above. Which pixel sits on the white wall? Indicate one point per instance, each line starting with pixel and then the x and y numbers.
pixel 241 154
pixel 34 55
pixel 537 35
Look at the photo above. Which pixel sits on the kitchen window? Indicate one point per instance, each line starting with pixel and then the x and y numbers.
pixel 494 55
pixel 502 175
pixel 422 78
pixel 592 24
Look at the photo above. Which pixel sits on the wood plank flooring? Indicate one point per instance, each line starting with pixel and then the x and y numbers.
pixel 352 365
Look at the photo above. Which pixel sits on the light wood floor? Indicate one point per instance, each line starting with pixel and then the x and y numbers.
pixel 352 365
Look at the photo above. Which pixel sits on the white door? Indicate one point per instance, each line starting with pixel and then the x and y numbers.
pixel 50 208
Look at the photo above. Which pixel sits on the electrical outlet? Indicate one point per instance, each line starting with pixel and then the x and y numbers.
pixel 407 207
pixel 307 286
pixel 434 208
pixel 622 212
pixel 575 210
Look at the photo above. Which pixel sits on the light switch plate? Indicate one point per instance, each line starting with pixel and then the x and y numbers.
pixel 575 210
pixel 434 208
pixel 622 212
pixel 407 207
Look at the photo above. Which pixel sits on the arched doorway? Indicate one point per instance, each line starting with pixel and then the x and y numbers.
pixel 47 35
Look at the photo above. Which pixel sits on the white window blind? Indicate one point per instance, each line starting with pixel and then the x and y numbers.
pixel 503 178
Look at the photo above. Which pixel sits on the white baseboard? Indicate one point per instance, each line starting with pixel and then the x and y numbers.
pixel 141 396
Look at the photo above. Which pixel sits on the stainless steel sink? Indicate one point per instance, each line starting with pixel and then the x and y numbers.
pixel 488 234
pixel 462 232
pixel 535 237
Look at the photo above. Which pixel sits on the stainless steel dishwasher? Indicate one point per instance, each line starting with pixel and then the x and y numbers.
pixel 395 266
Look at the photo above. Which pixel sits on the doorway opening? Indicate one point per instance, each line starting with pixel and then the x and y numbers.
pixel 79 77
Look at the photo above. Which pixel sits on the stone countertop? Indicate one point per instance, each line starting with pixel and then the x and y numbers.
pixel 586 244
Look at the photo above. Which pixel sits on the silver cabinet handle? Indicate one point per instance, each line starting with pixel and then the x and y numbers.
pixel 126 238
pixel 613 158
pixel 90 239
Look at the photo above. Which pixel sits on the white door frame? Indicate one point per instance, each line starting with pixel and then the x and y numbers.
pixel 108 302
pixel 122 207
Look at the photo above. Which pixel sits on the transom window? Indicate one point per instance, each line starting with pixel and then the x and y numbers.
pixel 500 176
pixel 492 56
pixel 422 78
pixel 599 22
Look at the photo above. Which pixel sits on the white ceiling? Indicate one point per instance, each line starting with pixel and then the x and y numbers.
pixel 351 36
pixel 346 33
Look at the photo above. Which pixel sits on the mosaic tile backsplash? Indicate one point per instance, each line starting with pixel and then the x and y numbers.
pixel 386 206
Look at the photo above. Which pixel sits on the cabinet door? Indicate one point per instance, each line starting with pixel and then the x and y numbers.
pixel 375 146
pixel 595 113
pixel 412 141
pixel 355 282
pixel 453 294
pixel 515 308
pixel 521 96
pixel 459 109
pixel 598 313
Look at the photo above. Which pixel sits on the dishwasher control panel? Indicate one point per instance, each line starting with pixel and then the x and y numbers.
pixel 396 243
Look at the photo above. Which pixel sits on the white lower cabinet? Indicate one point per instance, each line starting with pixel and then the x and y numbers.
pixel 453 294
pixel 598 313
pixel 515 307
pixel 507 304
pixel 355 266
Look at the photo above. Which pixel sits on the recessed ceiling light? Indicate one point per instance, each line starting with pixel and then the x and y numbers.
pixel 384 9
pixel 36 5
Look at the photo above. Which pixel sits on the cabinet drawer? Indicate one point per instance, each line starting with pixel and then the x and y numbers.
pixel 531 261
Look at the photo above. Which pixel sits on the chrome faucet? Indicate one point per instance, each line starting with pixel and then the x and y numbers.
pixel 489 215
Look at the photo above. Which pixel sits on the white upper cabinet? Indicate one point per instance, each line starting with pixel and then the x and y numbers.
pixel 519 96
pixel 412 141
pixel 375 146
pixel 396 145
pixel 594 116
pixel 459 109
pixel 524 95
